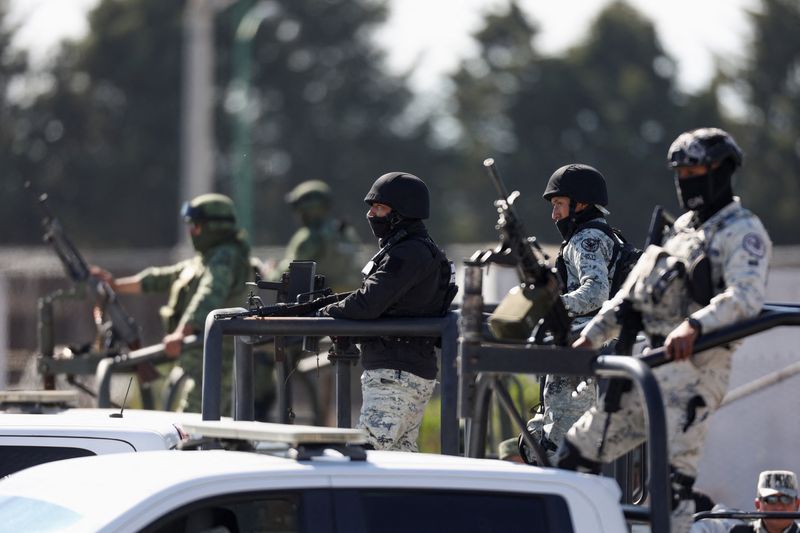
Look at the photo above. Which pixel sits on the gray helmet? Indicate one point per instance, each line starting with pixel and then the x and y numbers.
pixel 405 193
pixel 316 191
pixel 703 146
pixel 577 182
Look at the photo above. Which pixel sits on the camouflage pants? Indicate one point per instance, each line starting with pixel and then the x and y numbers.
pixel 692 391
pixel 563 406
pixel 392 408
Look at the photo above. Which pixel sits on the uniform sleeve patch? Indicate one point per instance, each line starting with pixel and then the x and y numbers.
pixel 590 245
pixel 754 245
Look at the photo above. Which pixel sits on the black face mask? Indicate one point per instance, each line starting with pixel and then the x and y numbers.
pixel 380 226
pixel 708 193
pixel 693 192
pixel 567 226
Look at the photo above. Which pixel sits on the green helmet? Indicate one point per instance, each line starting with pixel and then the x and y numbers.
pixel 210 208
pixel 312 192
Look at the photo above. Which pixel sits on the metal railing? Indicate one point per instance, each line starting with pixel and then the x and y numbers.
pixel 216 328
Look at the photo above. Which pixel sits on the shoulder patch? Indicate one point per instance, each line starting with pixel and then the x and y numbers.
pixel 754 245
pixel 590 245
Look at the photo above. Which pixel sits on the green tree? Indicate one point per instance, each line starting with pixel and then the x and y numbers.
pixel 12 66
pixel 770 84
pixel 325 109
pixel 104 139
pixel 611 101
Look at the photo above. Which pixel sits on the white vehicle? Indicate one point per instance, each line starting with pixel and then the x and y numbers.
pixel 309 488
pixel 31 439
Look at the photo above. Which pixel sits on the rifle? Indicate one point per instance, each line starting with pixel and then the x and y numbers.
pixel 539 295
pixel 660 223
pixel 256 309
pixel 120 327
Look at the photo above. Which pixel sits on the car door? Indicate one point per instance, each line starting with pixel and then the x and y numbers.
pixel 280 511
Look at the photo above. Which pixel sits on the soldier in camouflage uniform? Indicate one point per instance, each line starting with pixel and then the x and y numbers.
pixel 214 278
pixel 329 241
pixel 711 272
pixel 408 277
pixel 578 195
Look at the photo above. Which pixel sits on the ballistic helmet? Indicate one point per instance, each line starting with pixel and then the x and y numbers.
pixel 312 191
pixel 212 207
pixel 578 182
pixel 704 146
pixel 405 193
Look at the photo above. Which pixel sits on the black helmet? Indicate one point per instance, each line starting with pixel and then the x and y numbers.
pixel 703 146
pixel 405 193
pixel 578 182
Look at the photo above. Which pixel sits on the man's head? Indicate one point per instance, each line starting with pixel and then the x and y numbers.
pixel 777 491
pixel 570 190
pixel 311 200
pixel 704 161
pixel 211 219
pixel 406 197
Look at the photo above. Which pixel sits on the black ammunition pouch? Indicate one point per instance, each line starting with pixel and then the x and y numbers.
pixel 698 280
pixel 610 393
pixel 681 487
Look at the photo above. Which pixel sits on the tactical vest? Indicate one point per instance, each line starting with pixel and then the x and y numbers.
pixel 447 269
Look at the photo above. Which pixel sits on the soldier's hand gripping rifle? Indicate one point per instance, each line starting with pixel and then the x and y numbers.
pixel 539 295
pixel 120 327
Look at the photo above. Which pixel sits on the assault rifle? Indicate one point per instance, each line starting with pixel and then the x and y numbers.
pixel 539 295
pixel 120 327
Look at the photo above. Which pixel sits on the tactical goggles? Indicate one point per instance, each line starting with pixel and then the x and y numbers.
pixel 191 213
pixel 772 499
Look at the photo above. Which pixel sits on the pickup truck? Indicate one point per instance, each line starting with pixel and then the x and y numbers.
pixel 319 479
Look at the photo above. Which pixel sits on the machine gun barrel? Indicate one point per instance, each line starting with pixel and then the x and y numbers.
pixel 498 183
pixel 123 325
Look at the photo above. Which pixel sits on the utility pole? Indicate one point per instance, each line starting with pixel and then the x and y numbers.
pixel 197 117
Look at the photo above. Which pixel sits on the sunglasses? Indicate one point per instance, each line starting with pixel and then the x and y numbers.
pixel 778 498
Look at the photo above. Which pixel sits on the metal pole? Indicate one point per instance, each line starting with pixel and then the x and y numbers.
pixel 243 389
pixel 449 427
pixel 656 422
pixel 197 120
pixel 212 365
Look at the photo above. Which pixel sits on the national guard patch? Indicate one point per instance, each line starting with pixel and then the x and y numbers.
pixel 753 244
pixel 590 245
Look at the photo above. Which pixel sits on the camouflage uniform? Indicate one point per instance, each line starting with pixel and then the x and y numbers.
pixel 583 265
pixel 738 248
pixel 214 278
pixel 586 256
pixel 332 243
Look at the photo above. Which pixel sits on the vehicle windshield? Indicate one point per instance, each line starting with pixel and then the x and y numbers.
pixel 28 514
